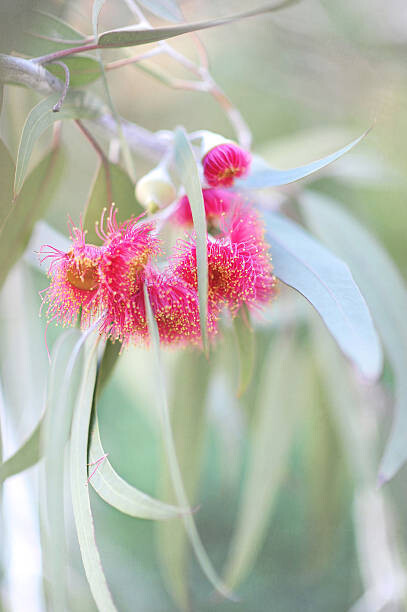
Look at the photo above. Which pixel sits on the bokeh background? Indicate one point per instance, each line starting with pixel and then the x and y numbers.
pixel 323 535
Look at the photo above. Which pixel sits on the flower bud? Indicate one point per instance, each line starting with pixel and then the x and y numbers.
pixel 155 190
pixel 223 160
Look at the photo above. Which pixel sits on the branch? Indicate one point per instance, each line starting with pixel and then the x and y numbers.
pixel 19 71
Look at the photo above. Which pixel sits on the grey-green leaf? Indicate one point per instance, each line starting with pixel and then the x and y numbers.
pixel 326 281
pixel 189 176
pixel 80 492
pixel 262 175
pixel 39 119
pixel 270 441
pixel 29 206
pixel 26 456
pixel 83 69
pixel 174 467
pixel 44 33
pixel 6 183
pixel 117 492
pixel 128 37
pixel 386 293
pixel 246 349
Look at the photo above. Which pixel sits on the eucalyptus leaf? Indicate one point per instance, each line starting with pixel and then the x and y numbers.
pixel 262 175
pixel 245 340
pixel 40 118
pixel 80 492
pixel 117 492
pixel 83 69
pixel 6 183
pixel 326 281
pixel 55 433
pixel 188 420
pixel 166 9
pixel 271 436
pixel 30 205
pixel 386 293
pixel 131 36
pixel 44 33
pixel 174 467
pixel 111 184
pixel 27 455
pixel 189 176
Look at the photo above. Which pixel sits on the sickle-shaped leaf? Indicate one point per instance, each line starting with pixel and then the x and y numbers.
pixel 44 33
pixel 80 492
pixel 262 175
pixel 326 281
pixel 39 119
pixel 188 173
pixel 174 468
pixel 129 37
pixel 386 293
pixel 117 492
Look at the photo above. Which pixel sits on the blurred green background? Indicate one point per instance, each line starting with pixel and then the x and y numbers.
pixel 307 80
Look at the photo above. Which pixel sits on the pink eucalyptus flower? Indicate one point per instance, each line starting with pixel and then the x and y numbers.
pixel 217 203
pixel 239 267
pixel 75 280
pixel 128 249
pixel 224 163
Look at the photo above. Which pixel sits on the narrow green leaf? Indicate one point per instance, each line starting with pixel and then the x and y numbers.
pixel 26 456
pixel 110 185
pixel 174 468
pixel 40 118
pixel 80 492
pixel 262 175
pixel 326 281
pixel 117 492
pixel 188 420
pixel 166 9
pixel 386 293
pixel 129 37
pixel 189 176
pixel 245 340
pixel 83 69
pixel 270 442
pixel 45 33
pixel 108 362
pixel 57 423
pixel 29 206
pixel 6 183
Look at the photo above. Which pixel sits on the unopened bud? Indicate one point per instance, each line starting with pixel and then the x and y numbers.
pixel 210 140
pixel 155 190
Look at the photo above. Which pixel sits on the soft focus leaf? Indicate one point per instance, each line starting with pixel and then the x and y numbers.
pixel 6 183
pixel 82 70
pixel 270 441
pixel 129 37
pixel 40 118
pixel 245 340
pixel 386 294
pixel 80 492
pixel 108 362
pixel 262 175
pixel 25 457
pixel 111 184
pixel 57 424
pixel 166 9
pixel 45 33
pixel 29 206
pixel 188 420
pixel 117 492
pixel 174 467
pixel 326 281
pixel 189 176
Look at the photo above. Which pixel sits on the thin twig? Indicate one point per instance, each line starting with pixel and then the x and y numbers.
pixel 132 60
pixel 51 57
